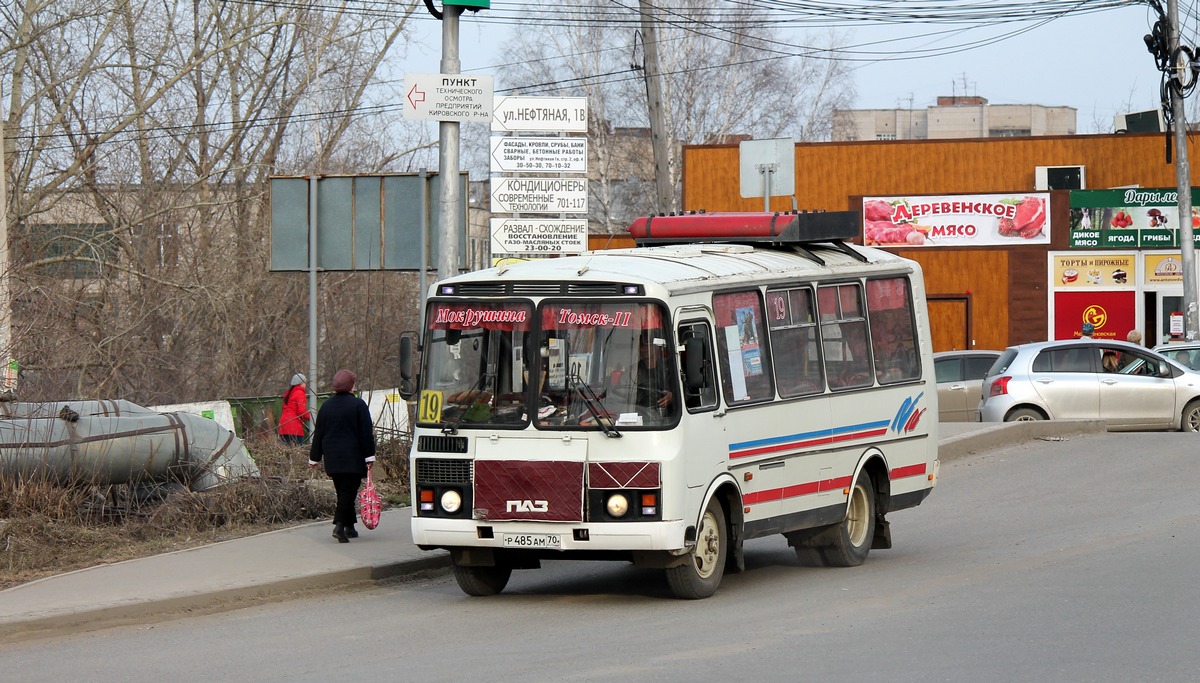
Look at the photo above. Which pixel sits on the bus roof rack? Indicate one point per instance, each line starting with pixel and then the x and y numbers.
pixel 783 229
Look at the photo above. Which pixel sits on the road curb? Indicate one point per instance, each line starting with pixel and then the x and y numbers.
pixel 212 602
pixel 1002 435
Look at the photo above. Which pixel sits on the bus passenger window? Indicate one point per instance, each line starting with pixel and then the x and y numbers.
pixel 893 336
pixel 793 326
pixel 844 336
pixel 742 350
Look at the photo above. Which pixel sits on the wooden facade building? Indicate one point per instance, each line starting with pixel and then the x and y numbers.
pixel 985 297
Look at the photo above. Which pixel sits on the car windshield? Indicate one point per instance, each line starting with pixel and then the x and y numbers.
pixel 579 365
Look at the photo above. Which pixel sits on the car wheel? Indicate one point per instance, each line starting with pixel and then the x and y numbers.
pixel 1190 420
pixel 1024 415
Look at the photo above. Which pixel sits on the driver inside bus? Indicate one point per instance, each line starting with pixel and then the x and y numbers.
pixel 653 374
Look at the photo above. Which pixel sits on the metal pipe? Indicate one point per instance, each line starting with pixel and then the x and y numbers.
pixel 118 442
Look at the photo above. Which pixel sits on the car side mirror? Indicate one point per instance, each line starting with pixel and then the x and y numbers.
pixel 1164 369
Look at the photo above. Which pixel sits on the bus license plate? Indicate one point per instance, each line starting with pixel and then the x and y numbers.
pixel 551 541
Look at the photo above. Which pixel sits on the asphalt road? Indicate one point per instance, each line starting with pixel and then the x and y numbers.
pixel 1065 560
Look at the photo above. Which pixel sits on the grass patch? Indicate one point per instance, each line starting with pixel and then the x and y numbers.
pixel 49 527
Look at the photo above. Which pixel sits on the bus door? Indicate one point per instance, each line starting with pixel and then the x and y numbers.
pixel 705 443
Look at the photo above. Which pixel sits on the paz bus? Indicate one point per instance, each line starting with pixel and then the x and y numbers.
pixel 730 377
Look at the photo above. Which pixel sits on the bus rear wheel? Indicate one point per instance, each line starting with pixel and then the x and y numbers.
pixel 482 581
pixel 701 574
pixel 851 540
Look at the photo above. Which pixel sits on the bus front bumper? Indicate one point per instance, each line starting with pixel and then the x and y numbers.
pixel 669 536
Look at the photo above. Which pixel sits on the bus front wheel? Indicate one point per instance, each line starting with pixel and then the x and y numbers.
pixel 482 581
pixel 851 540
pixel 701 574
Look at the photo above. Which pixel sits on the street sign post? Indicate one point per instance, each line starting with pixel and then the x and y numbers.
pixel 539 195
pixel 542 114
pixel 448 97
pixel 538 236
pixel 539 155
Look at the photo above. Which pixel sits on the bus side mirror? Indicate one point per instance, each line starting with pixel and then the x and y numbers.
pixel 408 383
pixel 693 371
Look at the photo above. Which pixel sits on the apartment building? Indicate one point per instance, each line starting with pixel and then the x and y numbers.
pixel 953 117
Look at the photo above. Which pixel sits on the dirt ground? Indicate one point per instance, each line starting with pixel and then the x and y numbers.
pixel 47 528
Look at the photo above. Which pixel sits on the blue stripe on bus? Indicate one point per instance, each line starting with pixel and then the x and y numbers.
pixel 817 436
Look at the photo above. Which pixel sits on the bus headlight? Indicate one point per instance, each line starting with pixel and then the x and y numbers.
pixel 451 501
pixel 617 505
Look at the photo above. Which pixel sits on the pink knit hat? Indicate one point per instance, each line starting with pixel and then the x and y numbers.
pixel 343 381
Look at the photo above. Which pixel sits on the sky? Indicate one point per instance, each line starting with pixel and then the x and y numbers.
pixel 1095 62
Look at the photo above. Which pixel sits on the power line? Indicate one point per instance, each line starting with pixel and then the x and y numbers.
pixel 726 24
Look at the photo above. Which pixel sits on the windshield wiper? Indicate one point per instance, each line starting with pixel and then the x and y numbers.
pixel 451 428
pixel 590 401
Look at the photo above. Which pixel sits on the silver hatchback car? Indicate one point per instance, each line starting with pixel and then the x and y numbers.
pixel 1127 386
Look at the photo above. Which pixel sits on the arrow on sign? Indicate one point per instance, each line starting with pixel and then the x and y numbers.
pixel 420 96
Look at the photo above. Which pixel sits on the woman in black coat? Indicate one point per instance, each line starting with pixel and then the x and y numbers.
pixel 343 437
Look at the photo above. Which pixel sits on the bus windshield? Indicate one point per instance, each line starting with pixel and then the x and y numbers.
pixel 583 365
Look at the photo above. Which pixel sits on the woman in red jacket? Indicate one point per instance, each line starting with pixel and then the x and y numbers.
pixel 295 413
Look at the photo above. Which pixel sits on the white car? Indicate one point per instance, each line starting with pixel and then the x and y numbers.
pixel 1127 386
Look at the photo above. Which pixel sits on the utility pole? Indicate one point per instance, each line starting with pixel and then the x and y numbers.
pixel 449 200
pixel 1183 176
pixel 665 190
pixel 8 387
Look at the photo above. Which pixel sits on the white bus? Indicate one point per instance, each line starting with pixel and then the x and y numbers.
pixel 740 376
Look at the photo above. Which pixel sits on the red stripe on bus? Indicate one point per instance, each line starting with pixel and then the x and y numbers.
pixel 860 435
pixel 910 471
pixel 795 490
pixel 800 489
pixel 782 447
pixel 831 484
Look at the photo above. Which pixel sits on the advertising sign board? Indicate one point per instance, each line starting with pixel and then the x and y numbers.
pixel 1095 271
pixel 538 236
pixel 1112 314
pixel 539 195
pixel 957 220
pixel 1164 269
pixel 1128 218
pixel 539 155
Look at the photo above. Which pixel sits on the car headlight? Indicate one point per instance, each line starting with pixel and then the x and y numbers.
pixel 617 505
pixel 451 501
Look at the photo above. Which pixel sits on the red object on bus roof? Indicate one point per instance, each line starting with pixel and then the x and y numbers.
pixel 746 227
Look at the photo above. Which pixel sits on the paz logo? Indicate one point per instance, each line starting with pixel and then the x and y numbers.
pixel 908 416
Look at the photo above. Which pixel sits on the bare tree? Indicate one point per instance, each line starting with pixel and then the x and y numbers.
pixel 139 141
pixel 727 72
